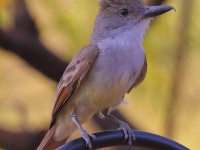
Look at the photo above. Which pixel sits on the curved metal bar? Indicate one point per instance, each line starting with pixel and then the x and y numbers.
pixel 115 138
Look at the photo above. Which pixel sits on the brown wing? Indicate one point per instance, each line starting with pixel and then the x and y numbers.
pixel 141 76
pixel 72 77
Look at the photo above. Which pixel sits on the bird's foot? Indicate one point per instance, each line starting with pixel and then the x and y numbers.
pixel 128 133
pixel 86 136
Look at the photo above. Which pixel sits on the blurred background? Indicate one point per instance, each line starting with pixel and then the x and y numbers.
pixel 38 39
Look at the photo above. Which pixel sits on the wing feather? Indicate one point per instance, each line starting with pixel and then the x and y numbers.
pixel 72 77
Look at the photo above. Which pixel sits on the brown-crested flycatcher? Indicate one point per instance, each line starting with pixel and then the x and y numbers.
pixel 101 73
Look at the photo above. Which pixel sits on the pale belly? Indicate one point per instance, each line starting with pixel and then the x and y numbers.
pixel 109 79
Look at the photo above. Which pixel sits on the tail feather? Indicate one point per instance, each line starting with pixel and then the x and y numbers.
pixel 49 143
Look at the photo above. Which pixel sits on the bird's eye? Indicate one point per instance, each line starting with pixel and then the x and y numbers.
pixel 124 12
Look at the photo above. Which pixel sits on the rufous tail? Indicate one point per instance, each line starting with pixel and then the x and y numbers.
pixel 49 143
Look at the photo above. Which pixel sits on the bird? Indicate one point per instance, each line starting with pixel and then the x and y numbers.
pixel 103 72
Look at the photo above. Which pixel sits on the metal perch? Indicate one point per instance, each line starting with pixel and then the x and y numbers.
pixel 115 138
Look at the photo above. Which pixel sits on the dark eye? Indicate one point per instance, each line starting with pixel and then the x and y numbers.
pixel 124 12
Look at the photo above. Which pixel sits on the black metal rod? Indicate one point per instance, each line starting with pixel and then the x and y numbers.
pixel 116 138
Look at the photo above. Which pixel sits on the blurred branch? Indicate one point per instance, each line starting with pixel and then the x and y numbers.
pixel 34 53
pixel 23 40
pixel 179 65
pixel 20 141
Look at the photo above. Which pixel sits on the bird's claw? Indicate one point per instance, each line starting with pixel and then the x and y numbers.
pixel 128 133
pixel 87 139
pixel 83 133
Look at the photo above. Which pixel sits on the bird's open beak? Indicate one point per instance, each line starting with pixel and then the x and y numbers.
pixel 153 11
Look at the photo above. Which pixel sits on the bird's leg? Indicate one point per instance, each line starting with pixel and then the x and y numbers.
pixel 128 132
pixel 83 133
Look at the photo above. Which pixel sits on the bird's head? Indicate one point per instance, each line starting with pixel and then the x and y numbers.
pixel 117 16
